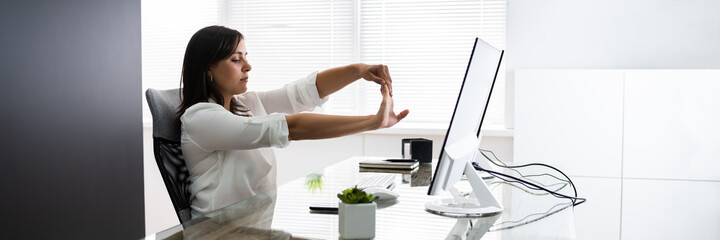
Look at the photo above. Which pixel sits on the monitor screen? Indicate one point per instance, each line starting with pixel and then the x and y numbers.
pixel 469 112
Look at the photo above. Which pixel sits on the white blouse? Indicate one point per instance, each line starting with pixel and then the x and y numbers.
pixel 230 157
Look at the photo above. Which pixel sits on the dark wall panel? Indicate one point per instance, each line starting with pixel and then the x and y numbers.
pixel 70 123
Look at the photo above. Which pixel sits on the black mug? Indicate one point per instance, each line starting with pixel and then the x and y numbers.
pixel 417 148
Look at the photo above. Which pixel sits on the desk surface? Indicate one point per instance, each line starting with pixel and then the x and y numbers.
pixel 528 214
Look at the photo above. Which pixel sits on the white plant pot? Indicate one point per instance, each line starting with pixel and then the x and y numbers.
pixel 357 221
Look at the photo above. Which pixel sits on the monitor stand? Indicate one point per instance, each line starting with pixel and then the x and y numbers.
pixel 481 202
pixel 479 210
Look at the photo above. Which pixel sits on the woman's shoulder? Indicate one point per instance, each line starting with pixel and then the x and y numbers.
pixel 203 106
pixel 247 97
pixel 199 108
pixel 251 100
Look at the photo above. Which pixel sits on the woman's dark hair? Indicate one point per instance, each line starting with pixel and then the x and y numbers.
pixel 207 47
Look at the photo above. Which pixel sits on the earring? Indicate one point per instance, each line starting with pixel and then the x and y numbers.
pixel 211 78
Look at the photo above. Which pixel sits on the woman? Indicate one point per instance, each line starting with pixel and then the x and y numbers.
pixel 228 133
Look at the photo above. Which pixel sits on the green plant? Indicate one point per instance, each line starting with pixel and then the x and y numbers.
pixel 314 182
pixel 354 196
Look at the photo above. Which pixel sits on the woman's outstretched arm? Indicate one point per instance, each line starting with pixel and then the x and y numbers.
pixel 334 79
pixel 319 126
pixel 304 126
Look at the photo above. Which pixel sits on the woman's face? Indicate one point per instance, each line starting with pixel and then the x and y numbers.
pixel 231 74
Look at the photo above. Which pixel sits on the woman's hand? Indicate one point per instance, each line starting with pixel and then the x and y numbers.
pixel 320 126
pixel 334 79
pixel 386 116
pixel 377 73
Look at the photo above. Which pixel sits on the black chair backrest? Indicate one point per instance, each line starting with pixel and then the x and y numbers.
pixel 166 145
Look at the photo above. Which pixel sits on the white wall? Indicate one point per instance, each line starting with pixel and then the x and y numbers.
pixel 641 146
pixel 305 157
pixel 610 34
pixel 619 35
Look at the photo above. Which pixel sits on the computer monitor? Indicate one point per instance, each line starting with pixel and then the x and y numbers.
pixel 460 146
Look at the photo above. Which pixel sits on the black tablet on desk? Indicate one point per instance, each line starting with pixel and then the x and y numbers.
pixel 324 208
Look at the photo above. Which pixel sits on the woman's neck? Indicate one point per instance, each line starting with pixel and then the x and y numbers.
pixel 226 101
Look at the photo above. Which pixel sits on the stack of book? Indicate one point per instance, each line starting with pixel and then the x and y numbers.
pixel 389 165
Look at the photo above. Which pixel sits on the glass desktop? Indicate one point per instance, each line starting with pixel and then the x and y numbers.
pixel 285 211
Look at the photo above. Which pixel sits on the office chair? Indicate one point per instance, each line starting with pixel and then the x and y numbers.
pixel 166 146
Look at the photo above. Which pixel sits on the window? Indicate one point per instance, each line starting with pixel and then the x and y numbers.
pixel 166 29
pixel 287 40
pixel 425 43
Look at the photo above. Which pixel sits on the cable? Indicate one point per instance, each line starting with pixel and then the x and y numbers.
pixel 530 185
pixel 527 184
pixel 527 165
pixel 522 220
pixel 504 165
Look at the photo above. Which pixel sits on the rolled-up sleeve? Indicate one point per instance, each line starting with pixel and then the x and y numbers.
pixel 211 127
pixel 300 95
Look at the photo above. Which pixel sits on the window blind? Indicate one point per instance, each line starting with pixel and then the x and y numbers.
pixel 287 40
pixel 425 43
pixel 166 28
pixel 427 46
